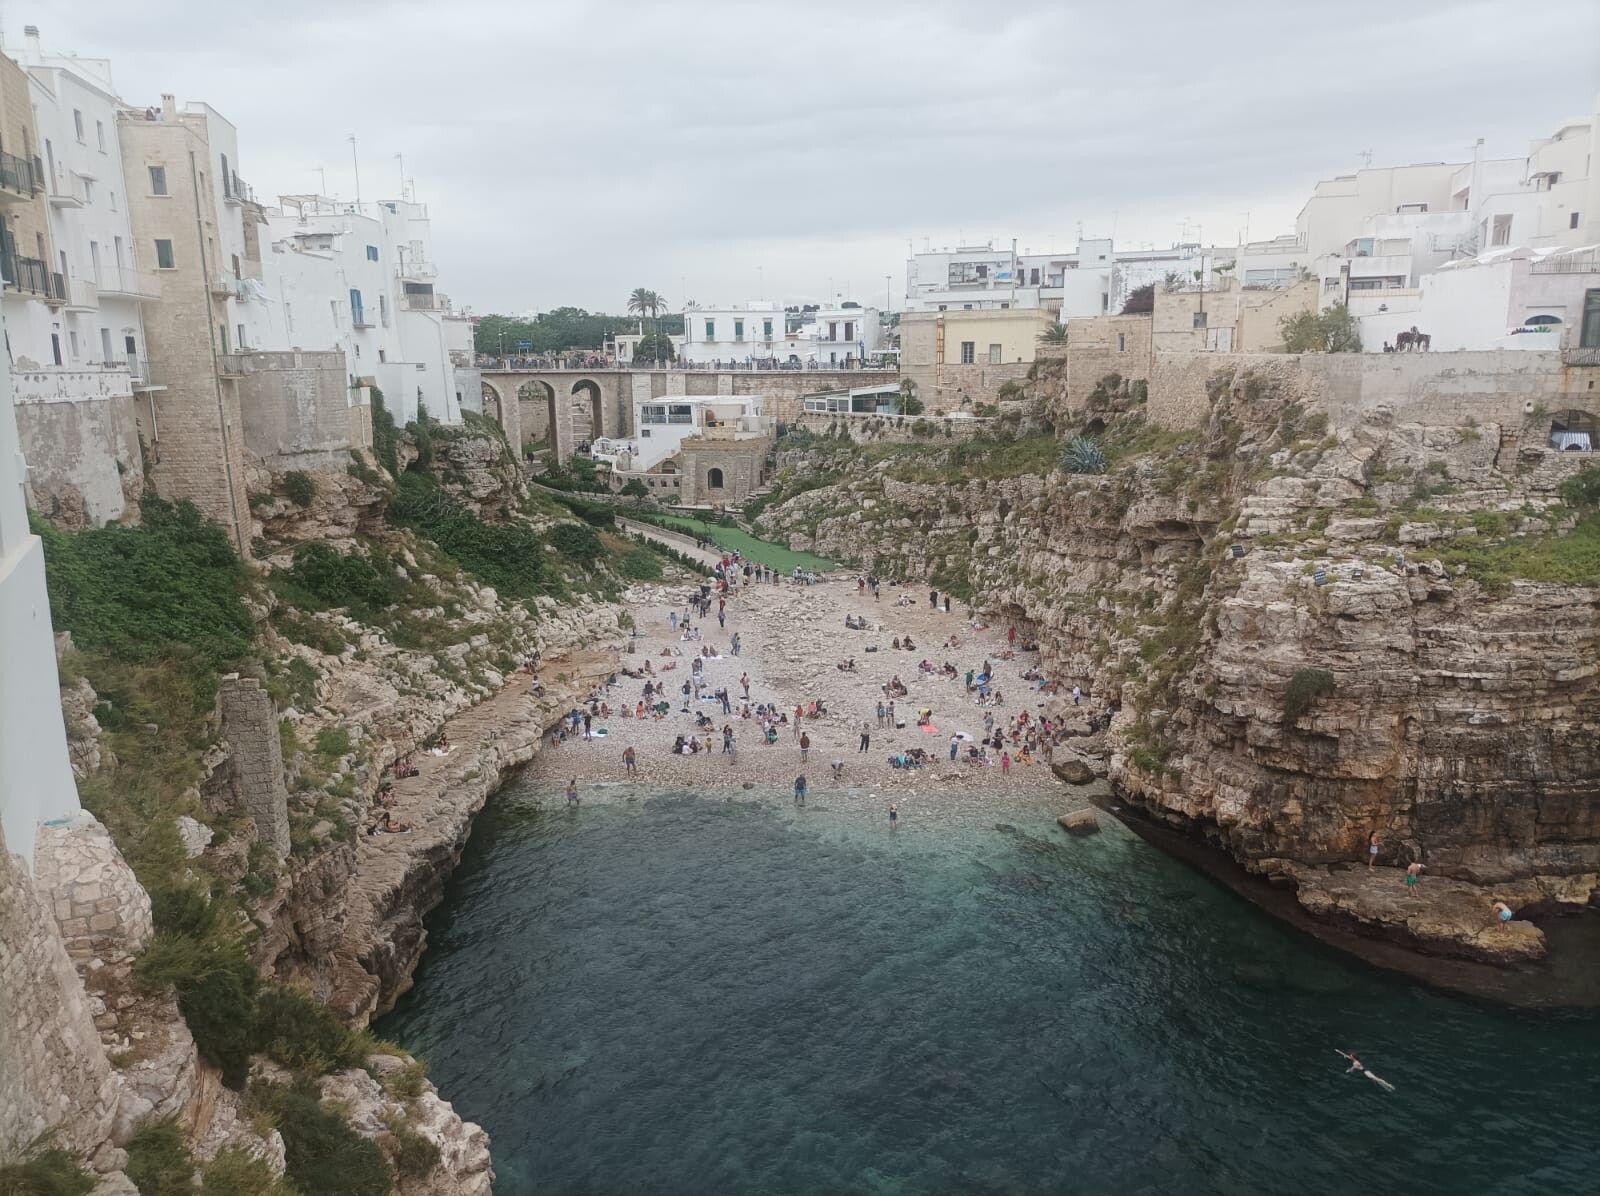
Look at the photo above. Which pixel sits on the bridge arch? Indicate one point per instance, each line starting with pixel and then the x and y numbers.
pixel 588 411
pixel 537 399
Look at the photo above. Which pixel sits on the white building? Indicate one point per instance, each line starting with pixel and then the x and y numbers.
pixel 832 337
pixel 1093 280
pixel 35 779
pixel 360 278
pixel 663 424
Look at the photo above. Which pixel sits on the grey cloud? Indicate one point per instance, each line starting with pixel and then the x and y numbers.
pixel 570 152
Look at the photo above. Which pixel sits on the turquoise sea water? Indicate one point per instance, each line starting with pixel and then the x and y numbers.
pixel 705 994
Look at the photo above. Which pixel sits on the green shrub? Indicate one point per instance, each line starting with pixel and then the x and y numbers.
pixel 593 513
pixel 578 543
pixel 44 1170
pixel 299 487
pixel 333 742
pixel 237 1172
pixel 326 578
pixel 406 1084
pixel 1582 490
pixel 1305 687
pixel 1083 454
pixel 385 436
pixel 216 987
pixel 303 1034
pixel 640 565
pixel 324 1156
pixel 167 588
pixel 159 1162
pixel 414 1156
pixel 507 556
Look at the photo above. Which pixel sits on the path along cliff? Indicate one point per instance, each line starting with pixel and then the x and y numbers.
pixel 1309 630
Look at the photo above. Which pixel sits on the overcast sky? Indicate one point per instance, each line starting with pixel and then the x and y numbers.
pixel 724 151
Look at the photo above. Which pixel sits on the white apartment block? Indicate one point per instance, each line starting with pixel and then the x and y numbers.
pixel 839 337
pixel 360 277
pixel 1091 281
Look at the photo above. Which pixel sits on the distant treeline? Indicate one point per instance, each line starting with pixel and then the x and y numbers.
pixel 563 328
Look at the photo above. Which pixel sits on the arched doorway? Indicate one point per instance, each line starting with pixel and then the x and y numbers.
pixel 1574 432
pixel 714 479
pixel 537 402
pixel 588 411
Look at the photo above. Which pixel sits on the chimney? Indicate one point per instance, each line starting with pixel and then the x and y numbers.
pixel 30 43
pixel 169 107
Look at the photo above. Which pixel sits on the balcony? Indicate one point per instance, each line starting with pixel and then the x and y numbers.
pixel 20 178
pixel 416 301
pixel 361 318
pixel 64 199
pixel 417 271
pixel 64 384
pixel 236 191
pixel 1583 355
pixel 82 295
pixel 227 286
pixel 30 276
pixel 124 282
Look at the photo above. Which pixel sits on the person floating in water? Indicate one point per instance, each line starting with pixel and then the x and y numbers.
pixel 572 792
pixel 1357 1065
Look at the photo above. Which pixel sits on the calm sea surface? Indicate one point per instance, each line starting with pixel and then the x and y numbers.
pixel 705 994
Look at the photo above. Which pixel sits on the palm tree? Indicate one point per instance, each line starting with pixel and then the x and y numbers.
pixel 1056 334
pixel 644 301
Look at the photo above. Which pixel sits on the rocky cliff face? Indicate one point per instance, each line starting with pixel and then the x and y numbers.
pixel 1308 634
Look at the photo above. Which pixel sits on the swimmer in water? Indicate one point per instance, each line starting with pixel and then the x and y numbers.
pixel 572 792
pixel 894 816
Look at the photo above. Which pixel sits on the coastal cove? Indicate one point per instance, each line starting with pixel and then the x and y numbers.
pixel 682 991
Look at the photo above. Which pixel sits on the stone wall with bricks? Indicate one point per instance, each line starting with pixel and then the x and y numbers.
pixel 84 464
pixel 742 465
pixel 193 428
pixel 54 1073
pixel 295 409
pixel 250 727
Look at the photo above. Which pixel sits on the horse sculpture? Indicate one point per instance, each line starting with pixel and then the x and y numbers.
pixel 1412 339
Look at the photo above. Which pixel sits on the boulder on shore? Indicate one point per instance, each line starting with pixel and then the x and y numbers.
pixel 1072 770
pixel 1080 823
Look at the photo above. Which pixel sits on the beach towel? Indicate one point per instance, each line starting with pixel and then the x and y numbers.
pixel 598 732
pixel 929 729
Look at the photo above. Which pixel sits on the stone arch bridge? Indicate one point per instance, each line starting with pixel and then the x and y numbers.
pixel 570 407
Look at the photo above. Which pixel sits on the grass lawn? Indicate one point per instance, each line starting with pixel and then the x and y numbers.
pixel 745 544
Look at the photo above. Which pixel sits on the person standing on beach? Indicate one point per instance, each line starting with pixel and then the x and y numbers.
pixel 805 746
pixel 588 719
pixel 866 736
pixel 744 680
pixel 955 746
pixel 672 620
pixel 1413 875
pixel 727 739
pixel 629 761
pixel 800 790
pixel 1373 844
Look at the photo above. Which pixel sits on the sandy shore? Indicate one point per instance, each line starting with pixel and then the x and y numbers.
pixel 792 639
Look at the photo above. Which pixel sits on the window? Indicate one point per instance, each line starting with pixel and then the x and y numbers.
pixel 222 335
pixel 738 330
pixel 944 307
pixel 77 123
pixel 117 249
pixel 968 352
pixel 833 330
pixel 235 264
pixel 111 196
pixel 849 330
pixel 227 185
pixel 714 479
pixel 1005 307
pixel 766 325
pixel 383 315
pixel 994 354
pixel 88 191
pixel 653 413
pixel 72 342
pixel 711 330
pixel 1572 220
pixel 164 259
pixel 240 340
pixel 100 135
pixel 383 355
pixel 1502 230
pixel 372 253
pixel 1033 277
pixel 1199 319
pixel 357 314
pixel 158 180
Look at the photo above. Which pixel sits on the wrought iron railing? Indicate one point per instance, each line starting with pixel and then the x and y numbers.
pixel 20 175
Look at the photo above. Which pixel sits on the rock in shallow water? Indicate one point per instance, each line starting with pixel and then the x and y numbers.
pixel 1080 823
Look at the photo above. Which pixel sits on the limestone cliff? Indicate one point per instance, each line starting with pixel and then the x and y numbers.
pixel 1307 631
